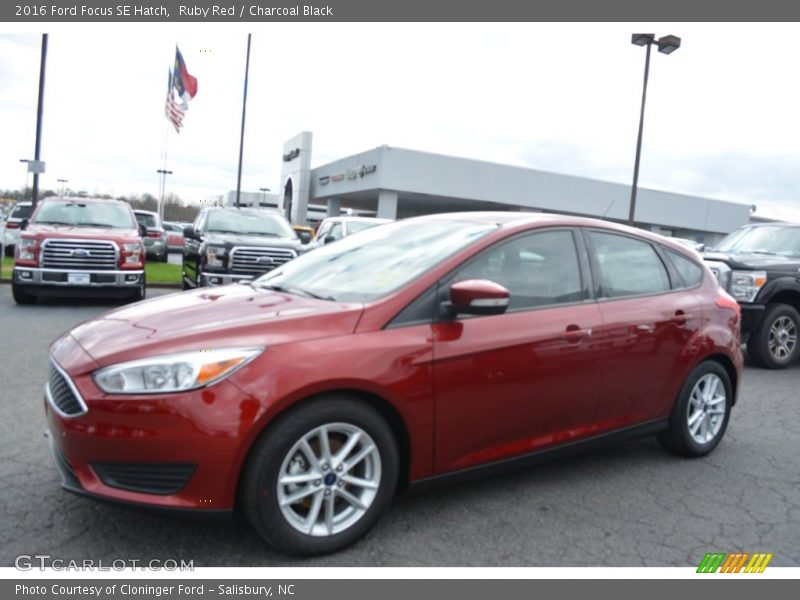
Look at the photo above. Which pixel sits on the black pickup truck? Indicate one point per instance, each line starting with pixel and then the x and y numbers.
pixel 228 245
pixel 759 265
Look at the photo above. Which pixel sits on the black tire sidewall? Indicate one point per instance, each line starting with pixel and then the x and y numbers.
pixel 678 438
pixel 259 480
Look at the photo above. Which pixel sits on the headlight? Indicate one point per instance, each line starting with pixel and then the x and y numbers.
pixel 174 372
pixel 746 284
pixel 215 256
pixel 27 249
pixel 132 252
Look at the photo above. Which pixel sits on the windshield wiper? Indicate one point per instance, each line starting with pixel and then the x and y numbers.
pixel 268 233
pixel 94 225
pixel 225 231
pixel 290 289
pixel 52 223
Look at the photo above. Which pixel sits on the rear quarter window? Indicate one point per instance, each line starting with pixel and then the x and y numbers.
pixel 690 272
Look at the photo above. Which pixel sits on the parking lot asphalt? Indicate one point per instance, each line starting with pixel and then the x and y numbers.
pixel 627 505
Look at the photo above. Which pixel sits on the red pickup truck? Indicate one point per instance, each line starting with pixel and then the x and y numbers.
pixel 79 247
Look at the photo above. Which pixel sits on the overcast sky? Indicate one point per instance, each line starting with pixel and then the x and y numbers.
pixel 721 119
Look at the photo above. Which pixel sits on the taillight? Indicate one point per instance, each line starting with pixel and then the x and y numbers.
pixel 725 300
pixel 153 234
pixel 12 225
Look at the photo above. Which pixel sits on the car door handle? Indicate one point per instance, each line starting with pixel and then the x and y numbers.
pixel 645 328
pixel 574 334
pixel 680 318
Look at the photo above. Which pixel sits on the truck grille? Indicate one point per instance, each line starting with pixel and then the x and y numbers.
pixel 79 254
pixel 144 477
pixel 62 395
pixel 255 261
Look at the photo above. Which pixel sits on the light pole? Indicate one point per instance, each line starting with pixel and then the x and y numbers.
pixel 264 190
pixel 163 173
pixel 666 45
pixel 62 182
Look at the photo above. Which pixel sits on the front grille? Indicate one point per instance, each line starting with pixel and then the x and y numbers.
pixel 79 254
pixel 147 478
pixel 62 395
pixel 255 261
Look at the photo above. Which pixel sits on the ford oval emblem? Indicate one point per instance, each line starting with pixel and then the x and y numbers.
pixel 80 253
pixel 265 260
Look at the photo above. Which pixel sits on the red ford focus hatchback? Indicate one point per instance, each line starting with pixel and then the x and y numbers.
pixel 407 353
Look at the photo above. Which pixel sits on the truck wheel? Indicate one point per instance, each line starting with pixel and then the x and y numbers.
pixel 774 344
pixel 139 294
pixel 21 296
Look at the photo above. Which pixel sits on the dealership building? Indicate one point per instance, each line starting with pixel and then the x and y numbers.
pixel 397 183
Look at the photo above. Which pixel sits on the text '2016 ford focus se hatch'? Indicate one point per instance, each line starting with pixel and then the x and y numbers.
pixel 413 351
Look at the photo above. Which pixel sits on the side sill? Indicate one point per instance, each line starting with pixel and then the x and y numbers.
pixel 540 456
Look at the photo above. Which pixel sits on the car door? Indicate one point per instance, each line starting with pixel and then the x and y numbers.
pixel 509 384
pixel 647 323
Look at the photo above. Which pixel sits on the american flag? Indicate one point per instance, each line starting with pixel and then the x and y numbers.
pixel 173 111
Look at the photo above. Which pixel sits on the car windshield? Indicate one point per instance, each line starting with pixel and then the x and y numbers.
pixel 375 263
pixel 249 223
pixel 769 239
pixel 85 214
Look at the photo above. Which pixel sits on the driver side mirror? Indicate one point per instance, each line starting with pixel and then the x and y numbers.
pixel 23 225
pixel 190 233
pixel 328 239
pixel 478 297
pixel 142 231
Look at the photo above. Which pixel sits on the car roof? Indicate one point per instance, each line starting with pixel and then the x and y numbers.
pixel 350 218
pixel 82 200
pixel 516 220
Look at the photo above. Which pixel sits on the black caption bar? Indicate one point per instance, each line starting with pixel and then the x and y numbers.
pixel 234 11
pixel 334 589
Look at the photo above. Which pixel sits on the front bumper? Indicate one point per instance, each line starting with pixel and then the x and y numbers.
pixel 38 279
pixel 212 279
pixel 122 448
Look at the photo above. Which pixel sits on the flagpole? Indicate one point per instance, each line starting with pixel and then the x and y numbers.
pixel 244 110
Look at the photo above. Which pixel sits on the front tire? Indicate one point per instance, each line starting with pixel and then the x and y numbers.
pixel 21 296
pixel 701 412
pixel 320 477
pixel 774 344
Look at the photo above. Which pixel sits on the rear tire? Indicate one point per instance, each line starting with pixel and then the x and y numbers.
pixel 337 458
pixel 701 412
pixel 21 296
pixel 774 345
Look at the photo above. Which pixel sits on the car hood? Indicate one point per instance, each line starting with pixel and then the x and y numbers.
pixel 76 232
pixel 755 261
pixel 233 315
pixel 230 239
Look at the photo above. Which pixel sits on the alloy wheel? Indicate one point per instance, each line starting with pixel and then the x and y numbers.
pixel 706 408
pixel 329 479
pixel 782 338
